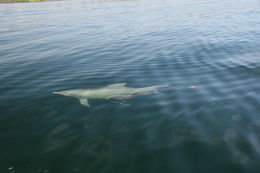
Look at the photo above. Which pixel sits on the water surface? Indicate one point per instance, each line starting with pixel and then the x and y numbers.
pixel 53 46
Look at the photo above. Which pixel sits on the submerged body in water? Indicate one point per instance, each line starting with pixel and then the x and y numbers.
pixel 114 91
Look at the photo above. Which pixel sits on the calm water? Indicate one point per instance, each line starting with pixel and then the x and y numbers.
pixel 53 46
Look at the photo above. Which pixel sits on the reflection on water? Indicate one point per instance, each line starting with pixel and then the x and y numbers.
pixel 208 50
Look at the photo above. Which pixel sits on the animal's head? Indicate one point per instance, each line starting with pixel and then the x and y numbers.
pixel 65 93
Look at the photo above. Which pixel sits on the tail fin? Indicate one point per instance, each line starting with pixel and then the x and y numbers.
pixel 167 85
pixel 161 86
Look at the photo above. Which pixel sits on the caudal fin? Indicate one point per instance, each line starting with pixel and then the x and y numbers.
pixel 165 86
pixel 155 91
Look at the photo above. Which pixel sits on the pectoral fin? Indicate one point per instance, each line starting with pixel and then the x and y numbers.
pixel 84 102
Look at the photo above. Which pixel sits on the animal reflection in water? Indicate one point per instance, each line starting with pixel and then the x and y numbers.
pixel 115 91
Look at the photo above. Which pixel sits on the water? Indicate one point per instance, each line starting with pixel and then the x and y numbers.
pixel 53 46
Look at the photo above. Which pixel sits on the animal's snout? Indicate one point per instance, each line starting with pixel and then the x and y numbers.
pixel 61 93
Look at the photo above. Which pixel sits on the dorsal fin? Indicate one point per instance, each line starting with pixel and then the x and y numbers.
pixel 117 85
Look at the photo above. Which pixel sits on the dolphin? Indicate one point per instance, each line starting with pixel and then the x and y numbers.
pixel 115 91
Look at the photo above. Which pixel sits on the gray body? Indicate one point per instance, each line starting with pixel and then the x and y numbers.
pixel 114 91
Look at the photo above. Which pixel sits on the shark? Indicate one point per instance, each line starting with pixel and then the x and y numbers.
pixel 117 91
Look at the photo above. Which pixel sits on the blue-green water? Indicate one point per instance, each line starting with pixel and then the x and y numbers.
pixel 53 46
